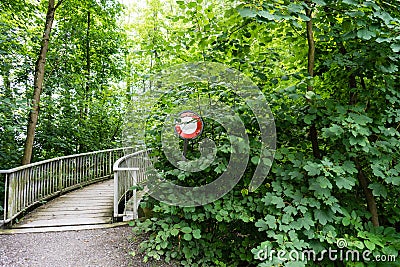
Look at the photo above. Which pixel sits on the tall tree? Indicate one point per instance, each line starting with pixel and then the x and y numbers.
pixel 38 81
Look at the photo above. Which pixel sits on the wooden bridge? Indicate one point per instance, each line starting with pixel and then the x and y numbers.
pixel 87 189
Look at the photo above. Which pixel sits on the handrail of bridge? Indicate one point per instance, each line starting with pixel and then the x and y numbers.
pixel 129 174
pixel 32 184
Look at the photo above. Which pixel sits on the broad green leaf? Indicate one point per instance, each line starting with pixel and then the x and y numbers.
pixel 270 221
pixel 350 2
pixel 255 160
pixel 324 182
pixel 313 169
pixel 334 130
pixel 295 8
pixel 378 189
pixel 370 246
pixel 365 34
pixel 347 183
pixel 309 118
pixel 346 221
pixel 174 232
pixel 321 216
pixel 187 237
pixel 395 47
pixel 247 12
pixel 278 201
pixel 197 234
pixel 360 119
pixel 268 16
pixel 349 167
pixel 186 230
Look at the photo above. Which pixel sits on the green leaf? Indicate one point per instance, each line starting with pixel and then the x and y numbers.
pixel 381 40
pixel 192 4
pixel 370 246
pixel 306 221
pixel 365 34
pixel 392 68
pixel 186 230
pixel 268 16
pixel 278 201
pixel 219 218
pixel 255 160
pixel 321 216
pixel 309 118
pixel 376 169
pixel 310 95
pixel 197 234
pixel 347 183
pixel 324 182
pixel 187 237
pixel 270 221
pixel 395 47
pixel 334 130
pixel 350 167
pixel 174 232
pixel 350 2
pixel 313 169
pixel 346 221
pixel 360 119
pixel 295 8
pixel 247 12
pixel 378 190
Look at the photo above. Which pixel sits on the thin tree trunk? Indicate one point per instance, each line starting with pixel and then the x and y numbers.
pixel 88 70
pixel 311 62
pixel 371 203
pixel 38 82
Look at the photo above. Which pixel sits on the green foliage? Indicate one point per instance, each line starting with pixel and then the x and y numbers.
pixel 80 110
pixel 305 203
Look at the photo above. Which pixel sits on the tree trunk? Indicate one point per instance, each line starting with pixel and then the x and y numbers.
pixel 87 89
pixel 371 203
pixel 311 62
pixel 38 82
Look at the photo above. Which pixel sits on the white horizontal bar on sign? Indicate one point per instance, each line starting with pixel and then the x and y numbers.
pixel 125 169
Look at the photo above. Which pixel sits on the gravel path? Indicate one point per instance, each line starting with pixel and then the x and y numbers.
pixel 95 248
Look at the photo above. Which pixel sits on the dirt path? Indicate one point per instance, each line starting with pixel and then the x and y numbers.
pixel 86 248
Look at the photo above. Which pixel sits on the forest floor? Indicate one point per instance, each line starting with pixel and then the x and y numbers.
pixel 110 247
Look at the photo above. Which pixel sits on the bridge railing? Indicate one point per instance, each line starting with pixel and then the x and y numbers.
pixel 29 185
pixel 129 176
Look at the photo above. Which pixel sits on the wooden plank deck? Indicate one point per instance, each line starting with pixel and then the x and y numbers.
pixel 90 205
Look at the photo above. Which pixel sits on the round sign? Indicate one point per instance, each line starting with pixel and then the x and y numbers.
pixel 189 125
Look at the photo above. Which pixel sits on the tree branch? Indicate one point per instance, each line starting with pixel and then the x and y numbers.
pixel 58 4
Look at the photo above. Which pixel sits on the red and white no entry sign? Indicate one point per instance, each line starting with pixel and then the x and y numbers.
pixel 189 125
